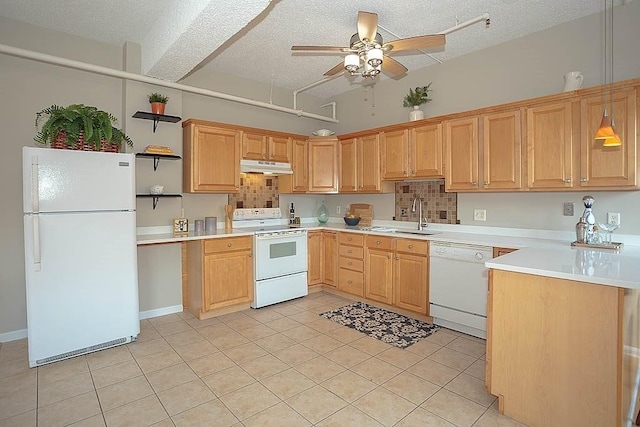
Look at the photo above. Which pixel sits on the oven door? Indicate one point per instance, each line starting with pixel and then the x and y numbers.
pixel 280 253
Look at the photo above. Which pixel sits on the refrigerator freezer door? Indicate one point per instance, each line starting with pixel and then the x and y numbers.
pixel 77 181
pixel 86 290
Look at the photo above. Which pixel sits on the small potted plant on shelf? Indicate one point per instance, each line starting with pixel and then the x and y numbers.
pixel 79 127
pixel 158 102
pixel 415 98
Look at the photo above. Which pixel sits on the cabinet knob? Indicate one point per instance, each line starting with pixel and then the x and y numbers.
pixel 388 256
pixel 349 282
pixel 349 251
pixel 583 180
pixel 349 239
pixel 349 263
pixel 410 246
pixel 228 245
pixel 567 181
pixel 377 242
pixel 413 172
pixel 404 173
pixel 397 257
pixel 474 183
pixel 250 255
pixel 485 183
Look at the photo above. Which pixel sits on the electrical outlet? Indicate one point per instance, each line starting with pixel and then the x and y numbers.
pixel 613 218
pixel 567 209
pixel 479 214
pixel 338 209
pixel 404 212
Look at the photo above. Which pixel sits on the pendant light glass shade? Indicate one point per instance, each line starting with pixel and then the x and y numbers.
pixel 352 63
pixel 605 130
pixel 613 141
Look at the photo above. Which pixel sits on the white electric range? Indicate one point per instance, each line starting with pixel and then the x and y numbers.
pixel 279 256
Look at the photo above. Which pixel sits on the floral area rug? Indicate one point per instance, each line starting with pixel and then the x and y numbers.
pixel 389 327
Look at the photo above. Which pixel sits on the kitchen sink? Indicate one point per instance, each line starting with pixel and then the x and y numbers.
pixel 418 232
pixel 396 231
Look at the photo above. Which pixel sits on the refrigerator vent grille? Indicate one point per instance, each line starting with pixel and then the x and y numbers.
pixel 83 350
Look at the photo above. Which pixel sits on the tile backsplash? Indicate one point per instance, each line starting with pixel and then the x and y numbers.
pixel 256 191
pixel 439 207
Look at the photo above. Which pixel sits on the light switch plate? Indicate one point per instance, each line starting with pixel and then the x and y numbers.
pixel 479 214
pixel 567 209
pixel 613 218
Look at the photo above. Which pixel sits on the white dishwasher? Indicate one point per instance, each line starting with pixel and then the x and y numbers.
pixel 458 284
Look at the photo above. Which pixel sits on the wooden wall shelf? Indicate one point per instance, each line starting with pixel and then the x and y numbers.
pixel 156 118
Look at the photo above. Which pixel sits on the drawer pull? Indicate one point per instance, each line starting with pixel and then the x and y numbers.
pixel 349 251
pixel 567 181
pixel 349 239
pixel 377 242
pixel 349 282
pixel 228 245
pixel 350 263
pixel 410 246
pixel 388 256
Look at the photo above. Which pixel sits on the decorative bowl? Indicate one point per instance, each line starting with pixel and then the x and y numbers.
pixel 352 220
pixel 323 132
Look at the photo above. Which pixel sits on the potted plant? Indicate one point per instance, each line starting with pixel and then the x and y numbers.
pixel 158 102
pixel 79 127
pixel 415 98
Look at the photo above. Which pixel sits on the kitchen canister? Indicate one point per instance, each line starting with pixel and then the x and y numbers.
pixel 210 224
pixel 198 226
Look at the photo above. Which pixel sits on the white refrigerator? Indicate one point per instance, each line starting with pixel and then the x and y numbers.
pixel 80 252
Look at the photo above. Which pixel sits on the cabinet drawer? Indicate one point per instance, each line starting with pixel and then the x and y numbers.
pixel 417 247
pixel 351 239
pixel 352 264
pixel 351 281
pixel 231 244
pixel 351 251
pixel 379 242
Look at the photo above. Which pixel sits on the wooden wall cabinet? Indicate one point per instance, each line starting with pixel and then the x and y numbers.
pixel 351 263
pixel 412 153
pixel 211 159
pixel 323 165
pixel 314 257
pixel 256 146
pixel 359 165
pixel 330 258
pixel 348 165
pixel 299 181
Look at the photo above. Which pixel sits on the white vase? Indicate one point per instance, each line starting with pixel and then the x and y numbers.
pixel 416 114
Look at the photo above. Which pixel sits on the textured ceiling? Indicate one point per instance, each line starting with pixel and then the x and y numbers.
pixel 253 38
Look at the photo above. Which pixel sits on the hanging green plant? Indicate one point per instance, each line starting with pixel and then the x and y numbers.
pixel 417 96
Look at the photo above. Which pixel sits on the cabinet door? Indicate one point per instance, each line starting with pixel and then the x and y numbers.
pixel 323 162
pixel 395 154
pixel 461 141
pixel 502 150
pixel 299 181
pixel 211 160
pixel 379 275
pixel 608 166
pixel 228 279
pixel 314 255
pixel 279 149
pixel 369 164
pixel 347 166
pixel 411 282
pixel 550 146
pixel 254 146
pixel 425 152
pixel 330 247
pixel 351 281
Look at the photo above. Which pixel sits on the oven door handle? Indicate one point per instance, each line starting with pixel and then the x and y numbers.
pixel 280 236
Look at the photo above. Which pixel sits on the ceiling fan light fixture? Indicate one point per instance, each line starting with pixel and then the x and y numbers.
pixel 370 71
pixel 352 63
pixel 374 57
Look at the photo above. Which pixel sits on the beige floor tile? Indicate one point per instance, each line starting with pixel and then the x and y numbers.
pixel 197 323
pixel 304 317
pixel 275 342
pixel 143 412
pixel 185 396
pixel 453 359
pixel 370 345
pixel 265 366
pixel 282 324
pixel 316 404
pixel 414 389
pixel 195 350
pixel 124 392
pixel 23 380
pixel 280 415
pixel 319 309
pixel 256 332
pixel 161 320
pixel 69 411
pixel 494 419
pixel 323 325
pixel 13 367
pixel 478 369
pixel 245 352
pixel 227 341
pixel 18 402
pixel 249 400
pixel 229 380
pixel 156 361
pixel 301 333
pixel 172 376
pixel 111 356
pixel 424 348
pixel 472 388
pixel 215 330
pixel 376 370
pixel 167 422
pixel 12 353
pixel 148 334
pixel 441 337
pixel 295 354
pixel 265 315
pixel 320 369
pixel 349 416
pixel 346 335
pixel 384 406
pixel 210 364
pixel 398 357
pixel 232 316
pixel 242 323
pixel 63 389
pixel 167 329
pixel 26 419
pixel 212 413
pixel 322 343
pixel 95 421
pixel 421 417
pixel 349 386
pixel 183 338
pixel 287 383
pixel 453 408
pixel 433 372
pixel 469 347
pixel 115 373
pixel 145 348
pixel 347 356
pixel 286 309
pixel 63 369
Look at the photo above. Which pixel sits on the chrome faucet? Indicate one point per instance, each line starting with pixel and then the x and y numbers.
pixel 422 221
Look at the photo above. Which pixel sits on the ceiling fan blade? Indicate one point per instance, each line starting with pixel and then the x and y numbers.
pixel 367 25
pixel 392 66
pixel 335 70
pixel 418 42
pixel 321 48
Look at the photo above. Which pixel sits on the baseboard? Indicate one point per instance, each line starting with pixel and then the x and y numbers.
pixel 13 335
pixel 161 311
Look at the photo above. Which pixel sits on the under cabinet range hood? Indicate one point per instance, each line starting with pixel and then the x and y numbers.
pixel 265 167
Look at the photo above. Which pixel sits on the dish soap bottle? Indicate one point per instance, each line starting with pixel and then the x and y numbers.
pixel 292 214
pixel 323 214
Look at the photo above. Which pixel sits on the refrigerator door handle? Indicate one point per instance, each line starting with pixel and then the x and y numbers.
pixel 35 191
pixel 36 243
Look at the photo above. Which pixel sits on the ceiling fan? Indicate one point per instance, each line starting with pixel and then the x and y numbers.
pixel 368 55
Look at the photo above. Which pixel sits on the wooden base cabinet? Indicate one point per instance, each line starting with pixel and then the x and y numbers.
pixel 379 264
pixel 351 263
pixel 314 256
pixel 330 258
pixel 220 273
